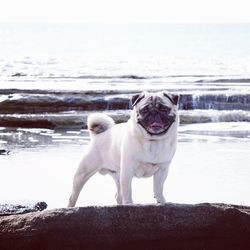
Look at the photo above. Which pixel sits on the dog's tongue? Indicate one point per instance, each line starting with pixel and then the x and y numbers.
pixel 156 125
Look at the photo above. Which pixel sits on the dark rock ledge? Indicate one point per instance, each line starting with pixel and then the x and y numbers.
pixel 173 226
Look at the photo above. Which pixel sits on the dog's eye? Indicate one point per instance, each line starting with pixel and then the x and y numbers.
pixel 164 108
pixel 144 110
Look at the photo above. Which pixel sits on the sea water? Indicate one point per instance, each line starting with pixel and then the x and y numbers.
pixel 172 52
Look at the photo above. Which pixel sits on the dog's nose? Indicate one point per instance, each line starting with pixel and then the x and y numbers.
pixel 155 116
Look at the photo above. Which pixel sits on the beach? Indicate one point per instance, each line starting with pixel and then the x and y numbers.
pixel 210 166
pixel 48 87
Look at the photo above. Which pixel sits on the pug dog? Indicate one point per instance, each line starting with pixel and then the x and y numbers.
pixel 143 146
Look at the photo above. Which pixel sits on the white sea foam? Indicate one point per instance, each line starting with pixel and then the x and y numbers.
pixel 220 127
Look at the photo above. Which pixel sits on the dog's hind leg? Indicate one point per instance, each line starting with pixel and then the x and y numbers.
pixel 87 168
pixel 116 177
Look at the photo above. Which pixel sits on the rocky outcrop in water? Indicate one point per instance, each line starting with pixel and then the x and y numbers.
pixel 60 109
pixel 173 226
pixel 41 102
pixel 222 101
pixel 53 121
pixel 4 152
pixel 48 103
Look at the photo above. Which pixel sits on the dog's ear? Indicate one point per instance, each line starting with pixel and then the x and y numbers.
pixel 136 98
pixel 172 97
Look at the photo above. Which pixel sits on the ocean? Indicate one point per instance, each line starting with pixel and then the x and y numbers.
pixel 207 64
pixel 163 52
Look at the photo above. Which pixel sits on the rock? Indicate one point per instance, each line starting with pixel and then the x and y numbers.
pixel 215 101
pixel 22 103
pixel 222 101
pixel 189 117
pixel 49 121
pixel 18 74
pixel 10 209
pixel 78 120
pixel 172 226
pixel 203 116
pixel 55 121
pixel 4 152
pixel 46 109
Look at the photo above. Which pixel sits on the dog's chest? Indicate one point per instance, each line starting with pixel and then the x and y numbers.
pixel 146 170
pixel 152 155
pixel 154 152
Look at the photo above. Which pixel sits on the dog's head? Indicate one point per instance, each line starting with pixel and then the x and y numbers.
pixel 156 112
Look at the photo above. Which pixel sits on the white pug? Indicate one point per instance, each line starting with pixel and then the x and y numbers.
pixel 143 146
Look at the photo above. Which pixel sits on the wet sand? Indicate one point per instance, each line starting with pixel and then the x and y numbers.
pixel 211 165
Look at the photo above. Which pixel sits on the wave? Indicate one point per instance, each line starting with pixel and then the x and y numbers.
pixel 128 76
pixel 195 78
pixel 52 76
pixel 207 116
pixel 225 80
pixel 136 77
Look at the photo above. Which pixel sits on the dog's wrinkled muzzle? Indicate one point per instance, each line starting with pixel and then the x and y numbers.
pixel 156 123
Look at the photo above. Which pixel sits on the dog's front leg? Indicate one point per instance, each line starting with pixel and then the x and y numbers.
pixel 127 173
pixel 159 179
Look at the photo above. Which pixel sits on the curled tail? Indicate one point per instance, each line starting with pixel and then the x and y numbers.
pixel 98 123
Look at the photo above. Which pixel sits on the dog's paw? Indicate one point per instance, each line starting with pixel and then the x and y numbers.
pixel 118 199
pixel 160 200
pixel 127 202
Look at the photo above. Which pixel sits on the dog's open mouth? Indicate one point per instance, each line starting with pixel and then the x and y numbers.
pixel 157 128
pixel 156 125
pixel 155 122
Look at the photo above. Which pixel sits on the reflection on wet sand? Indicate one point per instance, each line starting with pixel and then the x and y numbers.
pixel 20 138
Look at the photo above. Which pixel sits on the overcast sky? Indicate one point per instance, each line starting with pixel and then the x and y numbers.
pixel 124 11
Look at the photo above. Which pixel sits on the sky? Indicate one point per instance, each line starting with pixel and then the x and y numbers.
pixel 145 11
